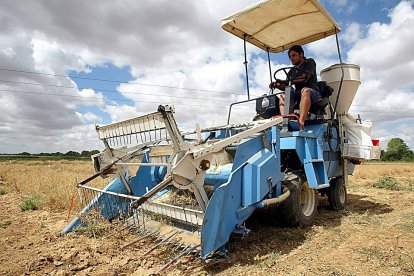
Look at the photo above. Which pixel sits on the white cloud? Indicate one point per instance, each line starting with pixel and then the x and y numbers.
pixel 353 32
pixel 175 45
pixel 178 45
pixel 121 112
pixel 338 3
pixel 387 45
pixel 324 47
pixel 386 59
pixel 344 5
pixel 91 117
pixel 90 97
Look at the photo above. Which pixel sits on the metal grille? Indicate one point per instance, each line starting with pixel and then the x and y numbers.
pixel 115 205
pixel 163 224
pixel 136 131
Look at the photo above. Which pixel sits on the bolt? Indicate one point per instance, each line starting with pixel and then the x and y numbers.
pixel 204 165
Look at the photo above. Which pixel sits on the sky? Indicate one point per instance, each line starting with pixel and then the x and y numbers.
pixel 66 66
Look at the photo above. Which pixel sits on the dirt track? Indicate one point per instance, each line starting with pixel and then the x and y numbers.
pixel 374 235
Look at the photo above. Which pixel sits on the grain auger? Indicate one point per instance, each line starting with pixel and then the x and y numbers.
pixel 193 190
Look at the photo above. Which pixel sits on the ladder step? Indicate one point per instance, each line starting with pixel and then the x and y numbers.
pixel 317 160
pixel 321 186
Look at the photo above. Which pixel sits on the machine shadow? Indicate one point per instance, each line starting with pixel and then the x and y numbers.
pixel 267 237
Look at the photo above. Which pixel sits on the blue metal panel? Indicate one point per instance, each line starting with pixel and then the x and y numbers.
pixel 146 178
pixel 246 149
pixel 331 143
pixel 218 175
pixel 259 173
pixel 220 218
pixel 313 164
pixel 217 134
pixel 307 145
pixel 294 143
pixel 223 133
pixel 234 201
pixel 274 141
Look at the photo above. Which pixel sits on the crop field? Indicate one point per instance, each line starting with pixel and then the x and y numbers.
pixel 374 235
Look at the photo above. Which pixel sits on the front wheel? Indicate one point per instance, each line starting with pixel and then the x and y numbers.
pixel 337 194
pixel 300 208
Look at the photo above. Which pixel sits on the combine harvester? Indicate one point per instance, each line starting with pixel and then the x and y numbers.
pixel 193 191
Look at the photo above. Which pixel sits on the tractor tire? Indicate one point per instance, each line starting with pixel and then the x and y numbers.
pixel 337 194
pixel 300 208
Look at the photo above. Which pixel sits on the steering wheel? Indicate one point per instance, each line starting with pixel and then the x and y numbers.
pixel 289 78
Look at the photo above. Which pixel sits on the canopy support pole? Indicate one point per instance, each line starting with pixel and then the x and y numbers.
pixel 342 77
pixel 245 66
pixel 270 66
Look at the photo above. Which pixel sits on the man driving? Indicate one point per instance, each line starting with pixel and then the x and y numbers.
pixel 305 81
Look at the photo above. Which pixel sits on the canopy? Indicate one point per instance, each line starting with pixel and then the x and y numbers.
pixel 277 25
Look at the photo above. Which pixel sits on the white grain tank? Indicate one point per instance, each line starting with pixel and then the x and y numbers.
pixel 332 75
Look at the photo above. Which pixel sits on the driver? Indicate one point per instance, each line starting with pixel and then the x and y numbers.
pixel 307 91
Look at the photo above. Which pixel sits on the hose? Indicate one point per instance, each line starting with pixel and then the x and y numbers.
pixel 277 200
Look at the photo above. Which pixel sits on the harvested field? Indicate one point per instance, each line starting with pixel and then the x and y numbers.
pixel 373 235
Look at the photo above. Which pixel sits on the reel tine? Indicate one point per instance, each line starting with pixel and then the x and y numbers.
pixel 137 240
pixel 187 250
pixel 161 242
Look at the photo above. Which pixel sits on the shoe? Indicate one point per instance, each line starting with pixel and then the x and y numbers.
pixel 295 125
pixel 301 125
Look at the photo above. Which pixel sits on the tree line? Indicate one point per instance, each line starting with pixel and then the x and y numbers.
pixel 397 150
pixel 71 153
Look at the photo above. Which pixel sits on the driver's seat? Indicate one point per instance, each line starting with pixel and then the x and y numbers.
pixel 318 108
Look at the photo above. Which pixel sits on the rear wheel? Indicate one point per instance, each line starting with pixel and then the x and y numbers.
pixel 337 194
pixel 300 208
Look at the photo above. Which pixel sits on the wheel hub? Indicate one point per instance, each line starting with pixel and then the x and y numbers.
pixel 342 194
pixel 307 199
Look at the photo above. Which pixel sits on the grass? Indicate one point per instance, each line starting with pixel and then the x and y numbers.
pixel 269 260
pixel 410 184
pixel 388 183
pixel 53 181
pixel 2 191
pixel 5 224
pixel 30 204
pixel 367 173
pixel 336 230
pixel 370 251
pixel 405 262
pixel 286 236
pixel 42 224
pixel 91 230
pixel 407 223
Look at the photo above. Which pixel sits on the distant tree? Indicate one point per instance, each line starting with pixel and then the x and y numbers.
pixel 409 157
pixel 72 153
pixel 24 153
pixel 87 153
pixel 94 152
pixel 397 150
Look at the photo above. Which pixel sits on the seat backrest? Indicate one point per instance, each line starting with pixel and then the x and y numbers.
pixel 324 89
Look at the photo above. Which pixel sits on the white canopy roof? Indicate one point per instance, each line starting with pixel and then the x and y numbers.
pixel 277 25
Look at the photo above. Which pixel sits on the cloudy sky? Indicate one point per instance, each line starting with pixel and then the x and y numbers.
pixel 68 65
